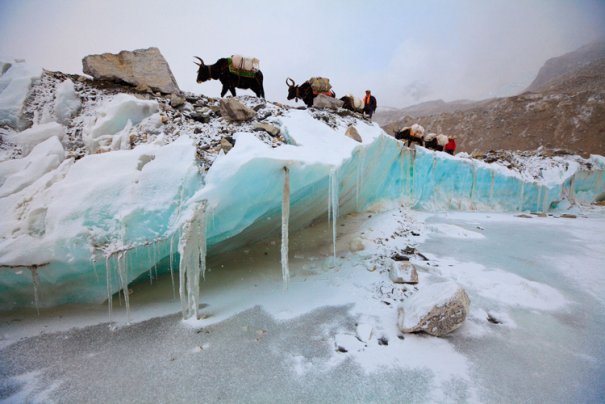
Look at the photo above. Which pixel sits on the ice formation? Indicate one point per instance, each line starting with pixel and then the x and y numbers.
pixel 130 207
pixel 14 86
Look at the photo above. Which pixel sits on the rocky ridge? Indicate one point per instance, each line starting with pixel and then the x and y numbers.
pixel 567 111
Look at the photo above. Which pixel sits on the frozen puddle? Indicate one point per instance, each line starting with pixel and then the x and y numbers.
pixel 258 342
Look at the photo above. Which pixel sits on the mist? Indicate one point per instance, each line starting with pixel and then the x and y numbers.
pixel 405 52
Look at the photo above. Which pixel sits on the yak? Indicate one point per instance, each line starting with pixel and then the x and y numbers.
pixel 352 103
pixel 220 71
pixel 304 92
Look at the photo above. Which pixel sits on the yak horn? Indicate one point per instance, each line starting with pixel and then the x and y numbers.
pixel 288 84
pixel 200 59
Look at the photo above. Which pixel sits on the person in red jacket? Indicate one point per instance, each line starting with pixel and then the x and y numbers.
pixel 450 147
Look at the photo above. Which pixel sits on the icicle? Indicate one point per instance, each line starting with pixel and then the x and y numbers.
pixel 473 185
pixel 285 218
pixel 334 206
pixel 491 187
pixel 108 280
pixel 522 195
pixel 123 273
pixel 539 197
pixel 149 263
pixel 192 248
pixel 572 189
pixel 36 283
pixel 170 265
pixel 545 207
pixel 93 261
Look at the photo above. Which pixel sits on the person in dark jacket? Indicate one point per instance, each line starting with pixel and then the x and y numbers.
pixel 369 104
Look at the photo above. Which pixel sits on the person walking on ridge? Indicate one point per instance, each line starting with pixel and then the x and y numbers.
pixel 369 104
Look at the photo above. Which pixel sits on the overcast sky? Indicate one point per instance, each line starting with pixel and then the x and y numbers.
pixel 405 51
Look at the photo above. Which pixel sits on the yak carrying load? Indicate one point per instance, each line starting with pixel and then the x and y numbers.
pixel 310 89
pixel 234 72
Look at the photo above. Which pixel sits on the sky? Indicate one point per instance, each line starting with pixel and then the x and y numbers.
pixel 404 51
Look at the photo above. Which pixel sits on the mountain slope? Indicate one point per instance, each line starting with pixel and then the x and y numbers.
pixel 567 112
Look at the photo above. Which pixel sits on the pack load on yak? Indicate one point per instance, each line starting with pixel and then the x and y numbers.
pixel 321 85
pixel 243 66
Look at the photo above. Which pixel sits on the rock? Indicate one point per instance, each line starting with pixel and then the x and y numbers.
pixel 176 101
pixel 436 309
pixel 199 117
pixel 568 216
pixel 356 245
pixel 524 216
pixel 142 67
pixel 364 332
pixel 233 110
pixel 403 272
pixel 323 101
pixel 270 129
pixel 353 134
pixel 226 145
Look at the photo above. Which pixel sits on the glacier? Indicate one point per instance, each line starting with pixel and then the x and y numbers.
pixel 78 231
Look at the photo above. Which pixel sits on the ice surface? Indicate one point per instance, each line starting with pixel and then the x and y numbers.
pixel 113 117
pixel 31 137
pixel 138 201
pixel 14 86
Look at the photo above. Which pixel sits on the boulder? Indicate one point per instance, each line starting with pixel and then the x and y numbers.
pixel 323 101
pixel 353 134
pixel 142 68
pixel 403 272
pixel 233 110
pixel 225 145
pixel 270 129
pixel 436 309
pixel 176 101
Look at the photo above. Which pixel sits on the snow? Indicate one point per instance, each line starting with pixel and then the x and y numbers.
pixel 114 119
pixel 67 102
pixel 31 137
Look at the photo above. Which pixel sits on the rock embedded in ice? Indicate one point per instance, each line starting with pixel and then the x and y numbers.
pixel 353 134
pixel 141 67
pixel 270 129
pixel 403 272
pixel 233 110
pixel 323 101
pixel 364 332
pixel 436 309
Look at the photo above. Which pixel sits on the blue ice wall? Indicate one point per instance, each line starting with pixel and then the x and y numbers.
pixel 246 207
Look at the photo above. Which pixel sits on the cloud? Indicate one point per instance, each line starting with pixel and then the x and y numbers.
pixel 405 51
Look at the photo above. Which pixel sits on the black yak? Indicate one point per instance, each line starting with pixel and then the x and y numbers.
pixel 305 92
pixel 220 71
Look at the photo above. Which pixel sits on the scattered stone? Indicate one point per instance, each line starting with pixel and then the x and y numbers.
pixel 539 214
pixel 524 216
pixel 356 245
pixel 403 272
pixel 415 233
pixel 323 101
pixel 225 145
pixel 364 332
pixel 233 110
pixel 353 134
pixel 270 129
pixel 142 67
pixel 493 319
pixel 399 257
pixel 568 216
pixel 176 101
pixel 436 309
pixel 384 341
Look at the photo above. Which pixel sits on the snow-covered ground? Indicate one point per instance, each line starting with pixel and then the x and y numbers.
pixel 540 280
